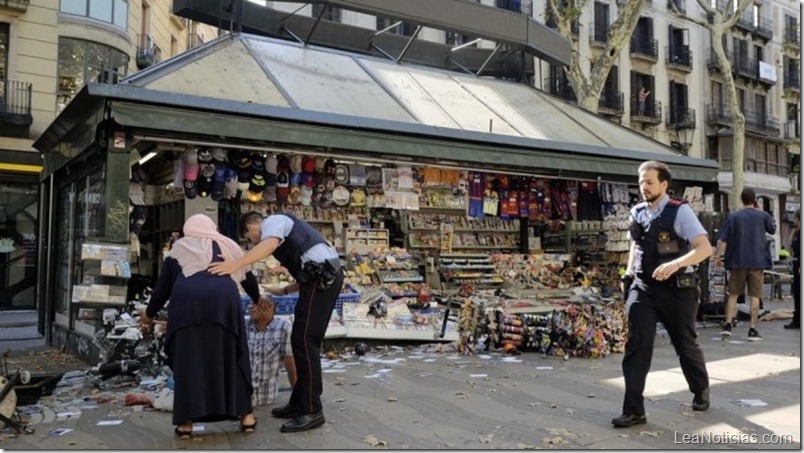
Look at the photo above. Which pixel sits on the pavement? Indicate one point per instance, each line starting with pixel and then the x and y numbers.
pixel 428 397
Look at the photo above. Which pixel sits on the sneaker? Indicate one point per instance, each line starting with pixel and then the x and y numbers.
pixel 753 335
pixel 726 332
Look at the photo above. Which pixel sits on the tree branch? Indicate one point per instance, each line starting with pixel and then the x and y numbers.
pixel 674 9
pixel 705 6
pixel 732 20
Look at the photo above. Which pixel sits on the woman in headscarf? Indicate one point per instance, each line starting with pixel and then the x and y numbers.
pixel 206 341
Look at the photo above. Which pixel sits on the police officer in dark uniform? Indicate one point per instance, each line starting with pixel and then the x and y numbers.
pixel 316 268
pixel 659 284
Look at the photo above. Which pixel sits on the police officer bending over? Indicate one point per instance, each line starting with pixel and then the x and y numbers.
pixel 667 239
pixel 317 269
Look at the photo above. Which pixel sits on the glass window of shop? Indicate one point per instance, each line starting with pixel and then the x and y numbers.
pixel 19 202
pixel 114 12
pixel 81 62
pixel 80 214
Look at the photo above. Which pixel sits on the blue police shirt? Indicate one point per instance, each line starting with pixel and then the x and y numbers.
pixel 687 226
pixel 744 235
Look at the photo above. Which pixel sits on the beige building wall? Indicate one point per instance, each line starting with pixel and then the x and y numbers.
pixel 33 49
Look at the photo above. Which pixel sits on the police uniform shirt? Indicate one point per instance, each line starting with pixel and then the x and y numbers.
pixel 279 226
pixel 687 226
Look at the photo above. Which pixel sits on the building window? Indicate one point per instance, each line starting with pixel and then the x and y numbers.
pixel 81 62
pixel 333 13
pixel 114 12
pixel 3 50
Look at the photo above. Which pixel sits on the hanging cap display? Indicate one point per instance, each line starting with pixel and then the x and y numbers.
pixel 329 167
pixel 190 156
pixel 308 165
pixel 219 154
pixel 269 194
pixel 296 163
pixel 283 163
pixel 341 196
pixel 306 195
pixel 319 164
pixel 341 174
pixel 271 163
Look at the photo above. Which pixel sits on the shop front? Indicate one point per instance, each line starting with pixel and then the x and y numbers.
pixel 425 181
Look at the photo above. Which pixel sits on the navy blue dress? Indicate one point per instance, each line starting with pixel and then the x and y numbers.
pixel 206 343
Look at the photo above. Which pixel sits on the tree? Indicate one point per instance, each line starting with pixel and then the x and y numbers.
pixel 587 90
pixel 719 23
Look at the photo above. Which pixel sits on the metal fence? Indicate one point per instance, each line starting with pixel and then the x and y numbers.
pixel 15 98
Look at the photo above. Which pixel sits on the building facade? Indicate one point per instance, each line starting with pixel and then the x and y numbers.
pixel 48 50
pixel 683 101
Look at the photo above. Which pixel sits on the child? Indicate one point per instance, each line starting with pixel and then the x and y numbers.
pixel 268 345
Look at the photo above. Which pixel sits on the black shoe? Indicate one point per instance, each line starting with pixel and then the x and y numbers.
pixel 726 332
pixel 286 411
pixel 793 325
pixel 303 423
pixel 624 421
pixel 753 335
pixel 701 401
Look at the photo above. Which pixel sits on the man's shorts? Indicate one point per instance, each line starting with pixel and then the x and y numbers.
pixel 738 278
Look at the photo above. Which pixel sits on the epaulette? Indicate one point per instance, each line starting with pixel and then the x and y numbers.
pixel 676 202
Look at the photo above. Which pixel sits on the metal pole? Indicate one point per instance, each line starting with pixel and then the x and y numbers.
pixel 315 24
pixel 485 63
pixel 407 46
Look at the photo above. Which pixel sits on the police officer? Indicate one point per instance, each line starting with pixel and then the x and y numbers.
pixel 667 239
pixel 316 268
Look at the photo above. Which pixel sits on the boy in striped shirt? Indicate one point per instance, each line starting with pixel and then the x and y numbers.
pixel 268 345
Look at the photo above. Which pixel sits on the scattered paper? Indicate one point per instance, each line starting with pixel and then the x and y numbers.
pixel 88 407
pixel 68 414
pixel 333 370
pixel 453 357
pixel 750 403
pixel 429 360
pixel 383 361
pixel 424 374
pixel 374 442
pixel 485 438
pixel 481 375
pixel 649 433
pixel 392 399
pixel 198 428
pixel 59 432
pixel 484 356
pixel 511 360
pixel 384 370
pixel 109 422
pixel 372 376
pixel 544 368
pixel 736 342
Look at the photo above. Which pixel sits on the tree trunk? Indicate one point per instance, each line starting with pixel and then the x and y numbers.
pixel 587 90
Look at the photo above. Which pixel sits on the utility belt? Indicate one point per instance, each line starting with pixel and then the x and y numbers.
pixel 322 274
pixel 685 280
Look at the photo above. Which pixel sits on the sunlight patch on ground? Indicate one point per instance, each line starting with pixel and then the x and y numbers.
pixel 737 369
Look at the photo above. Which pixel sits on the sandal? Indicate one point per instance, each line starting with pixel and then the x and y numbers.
pixel 248 429
pixel 181 434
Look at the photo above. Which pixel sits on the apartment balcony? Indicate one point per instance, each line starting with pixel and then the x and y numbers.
pixel 680 118
pixel 558 86
pixel 148 53
pixel 598 33
pixel 746 22
pixel 746 67
pixel 791 130
pixel 718 115
pixel 15 6
pixel 711 61
pixel 648 112
pixel 791 37
pixel 764 29
pixel 679 57
pixel 517 6
pixel 762 123
pixel 15 108
pixel 792 80
pixel 645 48
pixel 575 26
pixel 611 103
pixel 681 6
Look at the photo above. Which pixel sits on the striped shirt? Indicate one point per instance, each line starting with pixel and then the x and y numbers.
pixel 267 350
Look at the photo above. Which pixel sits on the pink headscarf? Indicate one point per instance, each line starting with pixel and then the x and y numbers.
pixel 194 250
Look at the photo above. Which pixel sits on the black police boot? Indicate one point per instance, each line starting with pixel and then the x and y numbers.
pixel 700 402
pixel 626 420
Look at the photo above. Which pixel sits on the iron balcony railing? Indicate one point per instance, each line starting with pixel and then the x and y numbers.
pixel 645 47
pixel 517 6
pixel 718 114
pixel 148 53
pixel 791 130
pixel 746 66
pixel 550 21
pixel 649 111
pixel 764 28
pixel 762 122
pixel 611 101
pixel 678 118
pixel 560 87
pixel 746 21
pixel 711 61
pixel 680 56
pixel 599 32
pixel 15 98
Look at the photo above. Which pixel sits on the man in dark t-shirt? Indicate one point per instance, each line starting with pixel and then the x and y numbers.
pixel 747 255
